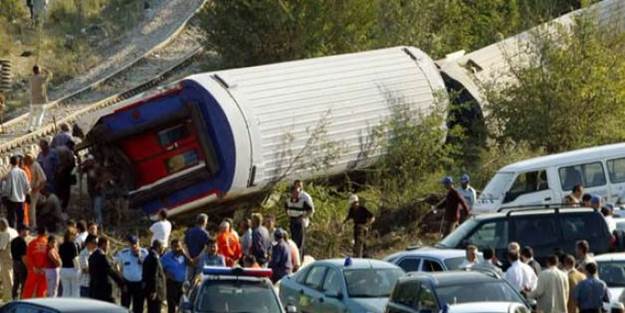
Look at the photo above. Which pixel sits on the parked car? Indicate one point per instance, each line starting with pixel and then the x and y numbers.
pixel 488 307
pixel 340 285
pixel 545 230
pixel 61 305
pixel 223 289
pixel 432 292
pixel 548 179
pixel 611 268
pixel 429 259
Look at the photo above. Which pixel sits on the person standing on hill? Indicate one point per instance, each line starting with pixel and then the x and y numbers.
pixel 37 183
pixel 38 95
pixel 453 204
pixel 228 244
pixel 18 254
pixel 161 230
pixel 467 192
pixel 36 260
pixel 261 241
pixel 100 270
pixel 299 208
pixel 362 218
pixel 7 234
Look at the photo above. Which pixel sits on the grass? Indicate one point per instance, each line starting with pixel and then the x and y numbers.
pixel 69 42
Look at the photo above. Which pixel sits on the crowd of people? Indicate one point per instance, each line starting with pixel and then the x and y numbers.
pixel 566 284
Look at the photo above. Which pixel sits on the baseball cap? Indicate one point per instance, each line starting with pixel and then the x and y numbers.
pixel 447 180
pixel 353 199
pixel 595 199
pixel 465 178
pixel 133 240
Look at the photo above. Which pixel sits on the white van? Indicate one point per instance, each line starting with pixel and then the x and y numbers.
pixel 548 179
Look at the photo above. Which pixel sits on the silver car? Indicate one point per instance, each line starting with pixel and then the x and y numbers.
pixel 340 285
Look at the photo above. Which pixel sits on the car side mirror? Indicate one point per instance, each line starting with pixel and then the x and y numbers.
pixel 291 309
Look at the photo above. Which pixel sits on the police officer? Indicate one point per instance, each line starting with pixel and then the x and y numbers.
pixel 131 262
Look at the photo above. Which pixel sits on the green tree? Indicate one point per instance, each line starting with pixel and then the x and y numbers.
pixel 568 93
pixel 248 32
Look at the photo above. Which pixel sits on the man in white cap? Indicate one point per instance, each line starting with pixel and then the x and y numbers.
pixel 362 218
pixel 466 191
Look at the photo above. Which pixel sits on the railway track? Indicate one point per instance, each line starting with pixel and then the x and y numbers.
pixel 173 61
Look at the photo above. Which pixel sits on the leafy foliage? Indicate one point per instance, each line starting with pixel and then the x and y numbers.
pixel 570 93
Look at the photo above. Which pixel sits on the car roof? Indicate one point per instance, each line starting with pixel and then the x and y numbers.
pixel 565 158
pixel 356 263
pixel 71 305
pixel 532 211
pixel 451 277
pixel 620 256
pixel 483 307
pixel 431 252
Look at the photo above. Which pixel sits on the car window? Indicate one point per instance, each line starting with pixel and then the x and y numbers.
pixel 371 282
pixel 589 227
pixel 616 170
pixel 496 291
pixel 426 301
pixel 612 273
pixel 26 308
pixel 405 293
pixel 490 234
pixel 454 263
pixel 536 230
pixel 332 283
pixel 409 264
pixel 301 275
pixel 588 175
pixel 237 296
pixel 527 182
pixel 314 278
pixel 431 266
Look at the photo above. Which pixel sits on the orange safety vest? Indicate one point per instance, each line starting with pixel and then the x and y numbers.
pixel 228 246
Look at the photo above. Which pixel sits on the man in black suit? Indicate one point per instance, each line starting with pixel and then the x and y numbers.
pixel 154 278
pixel 100 269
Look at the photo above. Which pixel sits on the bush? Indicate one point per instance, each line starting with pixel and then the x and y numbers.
pixel 568 93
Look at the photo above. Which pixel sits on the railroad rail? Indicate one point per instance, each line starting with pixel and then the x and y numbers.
pixel 28 142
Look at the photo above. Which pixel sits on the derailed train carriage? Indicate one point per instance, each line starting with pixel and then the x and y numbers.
pixel 220 135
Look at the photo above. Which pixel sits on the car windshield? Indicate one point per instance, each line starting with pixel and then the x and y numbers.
pixel 237 297
pixel 497 186
pixel 371 283
pixel 453 240
pixel 496 291
pixel 612 273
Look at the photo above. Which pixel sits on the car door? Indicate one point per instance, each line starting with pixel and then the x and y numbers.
pixel 493 233
pixel 310 292
pixel 409 263
pixel 530 188
pixel 616 173
pixel 334 293
pixel 540 231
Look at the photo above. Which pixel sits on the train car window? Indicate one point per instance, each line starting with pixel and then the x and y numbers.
pixel 182 161
pixel 169 136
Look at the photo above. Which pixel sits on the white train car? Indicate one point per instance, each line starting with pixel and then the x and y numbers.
pixel 220 135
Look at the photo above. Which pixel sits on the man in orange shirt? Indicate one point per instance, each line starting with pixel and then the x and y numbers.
pixel 36 260
pixel 228 244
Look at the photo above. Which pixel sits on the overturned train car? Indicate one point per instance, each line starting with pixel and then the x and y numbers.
pixel 221 135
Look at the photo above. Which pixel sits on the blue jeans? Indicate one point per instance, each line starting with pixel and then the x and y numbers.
pixel 84 292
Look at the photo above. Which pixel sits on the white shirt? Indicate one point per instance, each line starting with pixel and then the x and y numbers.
pixel 17 186
pixel 161 231
pixel 6 237
pixel 467 264
pixel 83 259
pixel 81 238
pixel 469 195
pixel 521 276
pixel 611 223
pixel 299 208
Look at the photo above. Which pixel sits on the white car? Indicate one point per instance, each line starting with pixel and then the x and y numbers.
pixel 428 259
pixel 611 268
pixel 488 307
